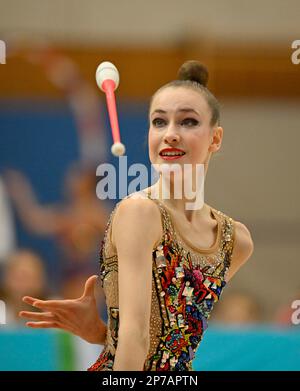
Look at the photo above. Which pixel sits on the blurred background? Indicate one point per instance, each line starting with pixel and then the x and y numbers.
pixel 54 133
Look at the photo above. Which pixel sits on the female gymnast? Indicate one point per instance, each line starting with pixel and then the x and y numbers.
pixel 163 266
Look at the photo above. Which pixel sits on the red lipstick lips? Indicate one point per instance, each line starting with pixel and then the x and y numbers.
pixel 171 153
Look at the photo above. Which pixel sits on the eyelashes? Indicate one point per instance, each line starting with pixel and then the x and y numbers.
pixel 187 122
pixel 158 122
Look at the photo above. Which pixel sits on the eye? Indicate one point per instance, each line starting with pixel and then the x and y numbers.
pixel 190 122
pixel 158 122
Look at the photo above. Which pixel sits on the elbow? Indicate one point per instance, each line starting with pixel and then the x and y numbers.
pixel 135 336
pixel 132 350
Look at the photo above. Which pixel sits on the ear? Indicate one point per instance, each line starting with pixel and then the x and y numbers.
pixel 216 139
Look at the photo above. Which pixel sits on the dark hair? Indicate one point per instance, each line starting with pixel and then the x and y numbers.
pixel 194 75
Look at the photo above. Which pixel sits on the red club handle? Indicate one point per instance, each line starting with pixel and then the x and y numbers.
pixel 109 88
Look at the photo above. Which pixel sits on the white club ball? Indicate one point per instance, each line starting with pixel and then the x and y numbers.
pixel 107 71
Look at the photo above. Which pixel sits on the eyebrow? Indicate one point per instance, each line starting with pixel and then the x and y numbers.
pixel 183 110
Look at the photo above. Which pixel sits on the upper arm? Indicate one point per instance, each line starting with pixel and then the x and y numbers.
pixel 242 248
pixel 136 227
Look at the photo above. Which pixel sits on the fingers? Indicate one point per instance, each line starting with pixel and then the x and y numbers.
pixel 40 316
pixel 48 325
pixel 41 325
pixel 48 317
pixel 29 300
pixel 90 286
pixel 53 305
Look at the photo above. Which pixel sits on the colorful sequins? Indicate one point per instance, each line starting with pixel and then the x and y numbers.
pixel 185 286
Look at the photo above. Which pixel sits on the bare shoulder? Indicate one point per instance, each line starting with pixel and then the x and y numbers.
pixel 243 247
pixel 139 217
pixel 243 240
pixel 138 208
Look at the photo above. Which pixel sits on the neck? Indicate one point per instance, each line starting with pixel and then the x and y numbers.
pixel 173 195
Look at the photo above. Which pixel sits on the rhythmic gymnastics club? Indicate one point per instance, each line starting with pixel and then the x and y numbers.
pixel 107 77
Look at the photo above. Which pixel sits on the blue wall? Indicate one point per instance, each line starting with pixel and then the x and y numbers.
pixel 257 349
pixel 252 349
pixel 39 138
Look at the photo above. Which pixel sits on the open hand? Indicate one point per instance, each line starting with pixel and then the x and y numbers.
pixel 77 316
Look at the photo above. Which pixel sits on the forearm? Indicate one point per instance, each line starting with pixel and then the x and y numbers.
pixel 37 219
pixel 131 354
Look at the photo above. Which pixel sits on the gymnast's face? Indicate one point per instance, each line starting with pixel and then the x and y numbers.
pixel 180 118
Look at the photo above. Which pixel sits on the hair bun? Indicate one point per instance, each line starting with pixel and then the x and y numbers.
pixel 193 71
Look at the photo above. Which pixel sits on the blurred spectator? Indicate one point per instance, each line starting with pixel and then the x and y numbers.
pixel 237 309
pixel 23 274
pixel 78 224
pixel 7 230
pixel 86 106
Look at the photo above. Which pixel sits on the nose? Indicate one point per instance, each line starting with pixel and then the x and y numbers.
pixel 171 135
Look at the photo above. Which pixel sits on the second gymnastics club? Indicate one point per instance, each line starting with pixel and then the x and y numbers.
pixel 107 77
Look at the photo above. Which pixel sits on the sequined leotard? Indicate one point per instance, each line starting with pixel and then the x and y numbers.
pixel 185 285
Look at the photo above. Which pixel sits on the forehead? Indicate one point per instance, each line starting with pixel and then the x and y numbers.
pixel 172 99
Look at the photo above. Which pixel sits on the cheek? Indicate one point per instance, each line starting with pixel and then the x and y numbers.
pixel 153 142
pixel 198 145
